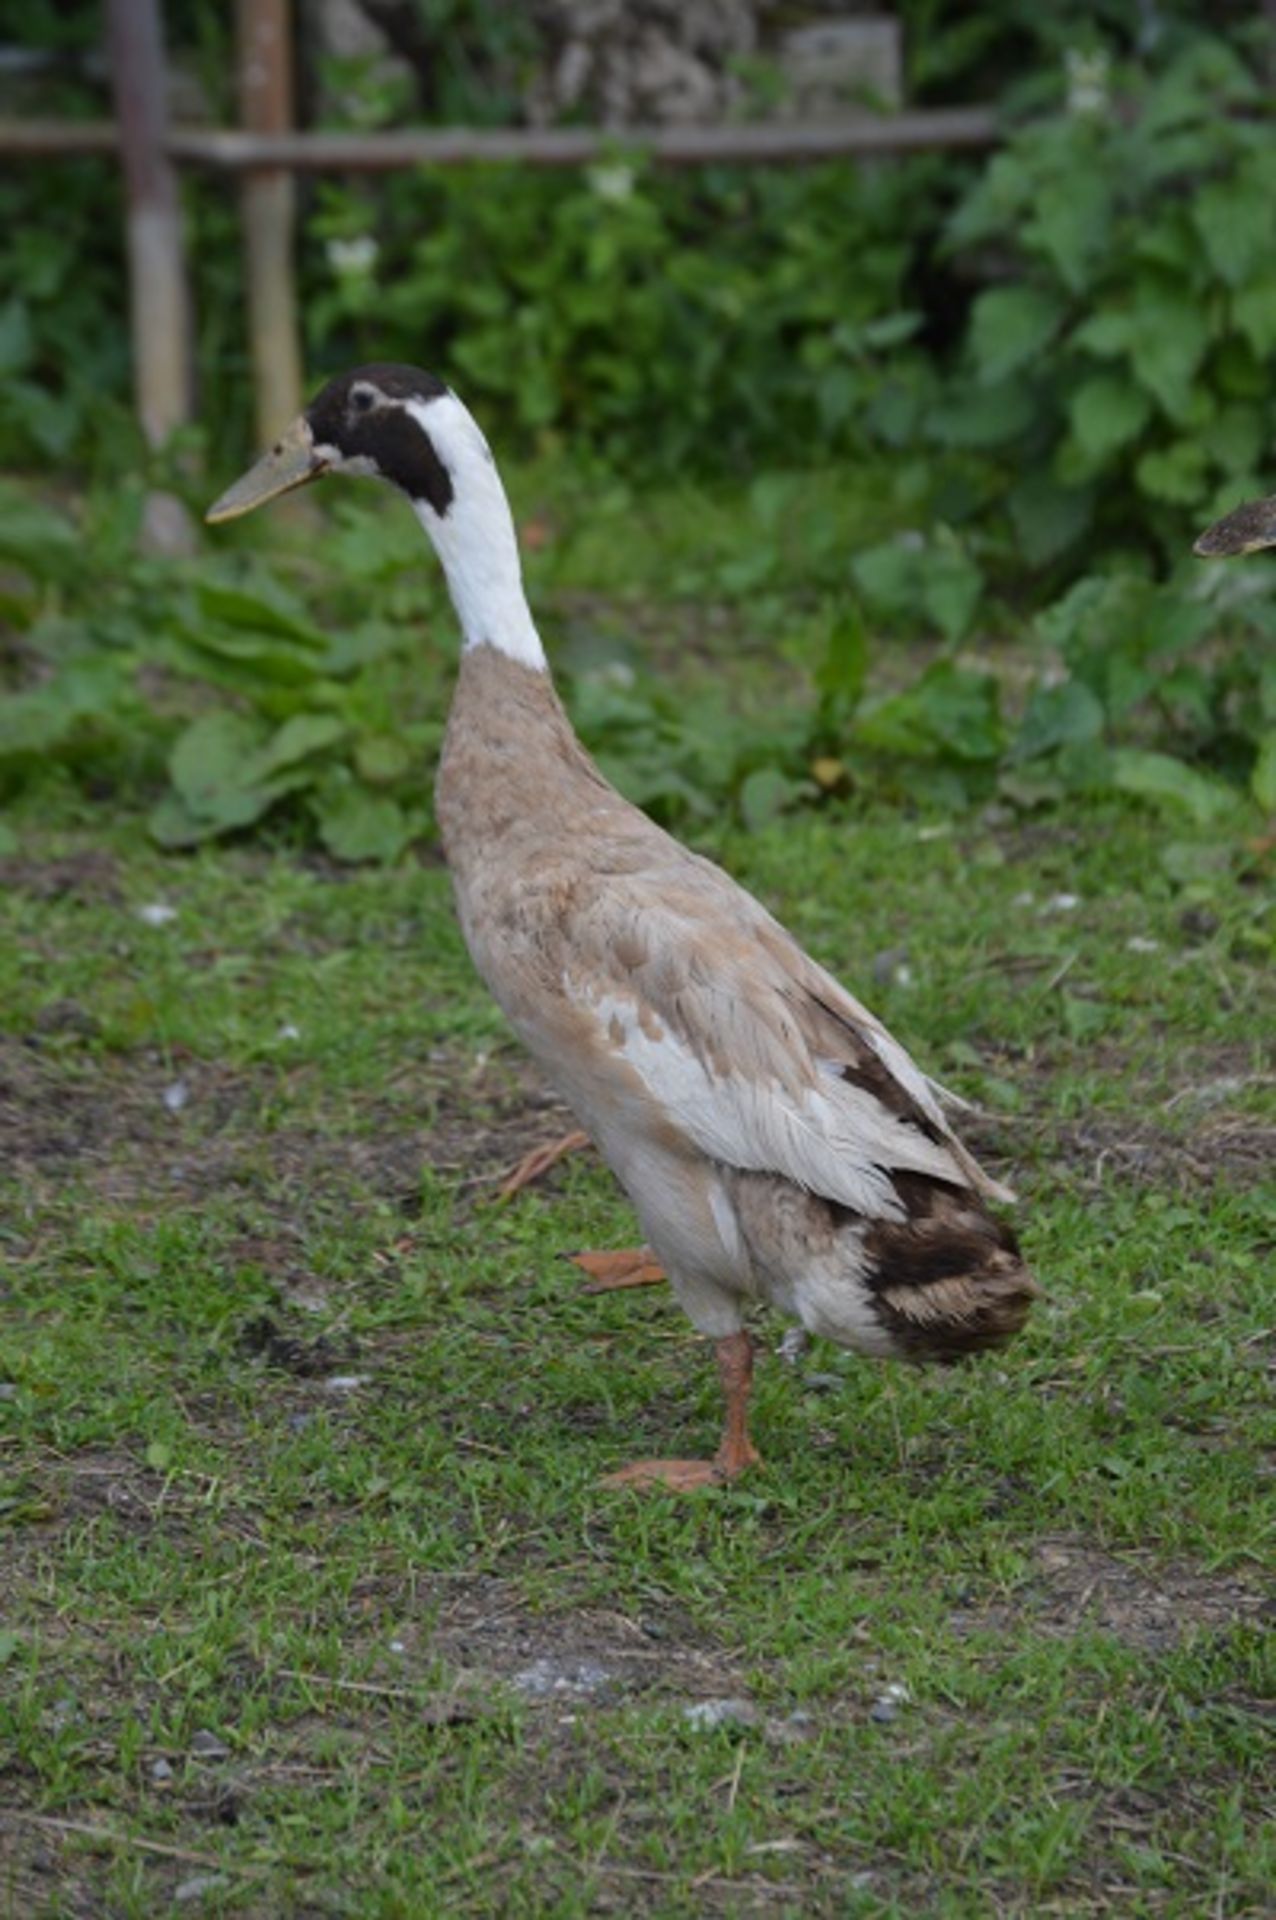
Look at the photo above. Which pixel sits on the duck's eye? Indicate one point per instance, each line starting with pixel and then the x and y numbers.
pixel 363 400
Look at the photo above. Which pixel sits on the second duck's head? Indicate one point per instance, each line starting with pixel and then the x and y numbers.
pixel 386 422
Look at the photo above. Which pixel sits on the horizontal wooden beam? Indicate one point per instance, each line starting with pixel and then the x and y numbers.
pixel 54 138
pixel 926 130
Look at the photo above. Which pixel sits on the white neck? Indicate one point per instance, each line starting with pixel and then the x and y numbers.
pixel 475 538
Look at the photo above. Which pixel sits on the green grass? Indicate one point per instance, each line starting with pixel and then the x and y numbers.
pixel 261 1636
pixel 1057 1552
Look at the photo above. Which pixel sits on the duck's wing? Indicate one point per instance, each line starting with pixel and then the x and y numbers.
pixel 755 1053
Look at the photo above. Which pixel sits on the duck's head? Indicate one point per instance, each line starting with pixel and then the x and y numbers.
pixel 386 422
pixel 1246 529
pixel 405 426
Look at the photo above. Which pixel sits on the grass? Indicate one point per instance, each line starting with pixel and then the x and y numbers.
pixel 285 1646
pixel 1056 1553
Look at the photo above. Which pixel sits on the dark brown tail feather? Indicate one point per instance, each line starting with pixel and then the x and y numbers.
pixel 949 1280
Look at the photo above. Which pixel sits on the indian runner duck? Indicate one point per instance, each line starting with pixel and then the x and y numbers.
pixel 776 1142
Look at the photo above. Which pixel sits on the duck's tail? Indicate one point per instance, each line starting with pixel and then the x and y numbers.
pixel 948 1280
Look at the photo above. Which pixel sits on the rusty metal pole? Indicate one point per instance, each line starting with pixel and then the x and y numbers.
pixel 264 50
pixel 159 299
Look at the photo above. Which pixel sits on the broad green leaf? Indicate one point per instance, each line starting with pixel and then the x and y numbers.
pixel 1009 326
pixel 1107 333
pixel 237 607
pixel 1236 222
pixel 764 794
pixel 1106 413
pixel 213 756
pixel 1235 440
pixel 1070 225
pixel 32 723
pixel 948 712
pixel 977 417
pixel 840 675
pixel 888 575
pixel 951 585
pixel 42 720
pixel 891 330
pixel 381 759
pixel 1161 778
pixel 935 583
pixel 1171 333
pixel 1058 716
pixel 1048 518
pixel 1263 779
pixel 15 339
pixel 1176 473
pixel 296 740
pixel 356 825
pixel 1267 690
pixel 241 658
pixel 1254 311
pixel 49 419
pixel 172 824
pixel 36 537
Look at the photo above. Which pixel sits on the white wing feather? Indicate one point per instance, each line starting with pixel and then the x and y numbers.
pixel 707 1011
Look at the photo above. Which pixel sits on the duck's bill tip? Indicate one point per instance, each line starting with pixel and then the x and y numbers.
pixel 1247 529
pixel 291 463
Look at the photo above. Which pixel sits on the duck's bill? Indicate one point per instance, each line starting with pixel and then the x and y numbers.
pixel 292 462
pixel 1247 529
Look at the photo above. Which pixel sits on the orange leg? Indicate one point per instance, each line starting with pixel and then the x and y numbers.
pixel 626 1267
pixel 734 1455
pixel 539 1161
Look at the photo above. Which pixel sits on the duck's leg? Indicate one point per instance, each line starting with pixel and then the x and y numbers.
pixel 539 1161
pixel 735 1370
pixel 626 1267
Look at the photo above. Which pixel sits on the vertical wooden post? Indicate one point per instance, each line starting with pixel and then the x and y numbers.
pixel 159 300
pixel 264 45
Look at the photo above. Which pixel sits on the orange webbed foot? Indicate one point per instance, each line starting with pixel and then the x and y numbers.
pixel 737 1452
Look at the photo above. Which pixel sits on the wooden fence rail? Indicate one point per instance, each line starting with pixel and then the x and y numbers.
pixel 267 151
pixel 926 130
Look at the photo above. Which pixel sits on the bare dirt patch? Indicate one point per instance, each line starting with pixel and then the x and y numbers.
pixel 1221 1146
pixel 484 1630
pixel 92 874
pixel 109 1122
pixel 1076 1586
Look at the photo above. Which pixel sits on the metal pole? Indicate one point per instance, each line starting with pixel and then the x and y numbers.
pixel 264 41
pixel 159 300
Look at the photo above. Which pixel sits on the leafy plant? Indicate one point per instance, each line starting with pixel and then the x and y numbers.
pixel 708 319
pixel 105 657
pixel 1118 366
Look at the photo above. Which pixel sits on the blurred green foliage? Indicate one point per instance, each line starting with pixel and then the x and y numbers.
pixel 707 320
pixel 1121 364
pixel 1062 353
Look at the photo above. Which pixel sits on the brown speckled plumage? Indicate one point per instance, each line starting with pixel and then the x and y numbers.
pixel 559 879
